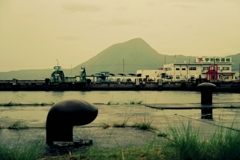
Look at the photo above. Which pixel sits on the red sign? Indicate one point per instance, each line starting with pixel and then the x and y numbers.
pixel 200 60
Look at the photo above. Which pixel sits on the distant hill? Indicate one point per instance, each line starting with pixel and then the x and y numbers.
pixel 26 74
pixel 235 61
pixel 126 57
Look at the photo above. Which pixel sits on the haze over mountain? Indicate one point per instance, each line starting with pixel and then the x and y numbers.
pixel 126 57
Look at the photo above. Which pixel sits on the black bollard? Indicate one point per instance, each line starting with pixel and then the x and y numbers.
pixel 206 89
pixel 64 115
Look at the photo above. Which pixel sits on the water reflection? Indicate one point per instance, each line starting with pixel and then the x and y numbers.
pixel 57 96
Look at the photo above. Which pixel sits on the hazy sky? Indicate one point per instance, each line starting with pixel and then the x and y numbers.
pixel 34 33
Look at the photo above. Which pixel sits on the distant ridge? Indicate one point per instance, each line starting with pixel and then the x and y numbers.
pixel 127 57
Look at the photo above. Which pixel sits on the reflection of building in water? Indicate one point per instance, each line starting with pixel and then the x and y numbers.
pixel 206 67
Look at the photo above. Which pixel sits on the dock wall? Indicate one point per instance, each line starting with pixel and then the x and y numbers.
pixel 39 85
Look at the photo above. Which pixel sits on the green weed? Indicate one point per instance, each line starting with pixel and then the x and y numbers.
pixel 9 104
pixel 135 102
pixel 113 103
pixel 125 103
pixel 43 104
pixel 121 125
pixel 144 125
pixel 35 104
pixel 105 125
pixel 161 134
pixel 18 125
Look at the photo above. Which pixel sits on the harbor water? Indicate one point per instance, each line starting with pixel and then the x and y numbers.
pixel 33 97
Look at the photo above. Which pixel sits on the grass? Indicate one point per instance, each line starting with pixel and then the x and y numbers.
pixel 120 154
pixel 18 125
pixel 183 142
pixel 105 125
pixel 162 108
pixel 225 144
pixel 161 134
pixel 144 125
pixel 135 102
pixel 113 103
pixel 187 143
pixel 120 125
pixel 145 122
pixel 22 151
pixel 41 104
pixel 125 103
pixel 9 104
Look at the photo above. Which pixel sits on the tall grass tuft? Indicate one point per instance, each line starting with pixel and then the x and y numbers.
pixel 185 143
pixel 22 151
pixel 144 125
pixel 225 144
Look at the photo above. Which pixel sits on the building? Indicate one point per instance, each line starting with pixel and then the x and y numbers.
pixel 150 75
pixel 211 68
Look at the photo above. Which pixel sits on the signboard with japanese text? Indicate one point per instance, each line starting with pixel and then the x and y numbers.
pixel 213 59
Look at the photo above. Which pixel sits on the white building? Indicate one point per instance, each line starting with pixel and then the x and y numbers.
pixel 150 75
pixel 186 71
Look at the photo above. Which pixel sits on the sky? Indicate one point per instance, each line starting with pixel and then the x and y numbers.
pixel 40 34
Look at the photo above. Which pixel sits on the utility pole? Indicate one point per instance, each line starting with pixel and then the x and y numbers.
pixel 123 65
pixel 239 72
pixel 57 62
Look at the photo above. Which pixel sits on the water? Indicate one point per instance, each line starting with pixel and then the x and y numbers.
pixel 26 97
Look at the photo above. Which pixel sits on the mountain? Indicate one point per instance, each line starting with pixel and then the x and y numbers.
pixel 235 62
pixel 34 74
pixel 126 57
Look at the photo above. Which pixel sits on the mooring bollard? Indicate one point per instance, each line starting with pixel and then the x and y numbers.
pixel 64 115
pixel 206 89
